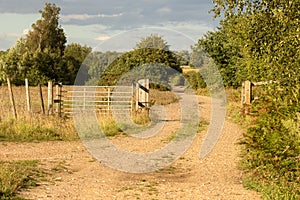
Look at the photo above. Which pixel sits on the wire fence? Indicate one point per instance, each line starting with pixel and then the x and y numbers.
pixel 19 94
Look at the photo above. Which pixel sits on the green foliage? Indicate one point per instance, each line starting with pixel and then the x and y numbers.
pixel 109 126
pixel 158 58
pixel 73 59
pixel 225 53
pixel 39 129
pixel 184 57
pixel 16 175
pixel 43 55
pixel 153 41
pixel 47 36
pixel 10 63
pixel 266 35
pixel 195 80
pixel 177 80
pixel 271 156
pixel 96 62
pixel 197 56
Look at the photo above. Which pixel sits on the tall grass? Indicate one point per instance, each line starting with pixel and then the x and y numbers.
pixel 37 128
pixel 17 175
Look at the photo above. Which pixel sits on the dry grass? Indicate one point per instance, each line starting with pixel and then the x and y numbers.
pixel 35 126
pixel 162 97
pixel 16 175
pixel 31 126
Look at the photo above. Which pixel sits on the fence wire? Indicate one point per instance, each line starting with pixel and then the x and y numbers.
pixel 19 94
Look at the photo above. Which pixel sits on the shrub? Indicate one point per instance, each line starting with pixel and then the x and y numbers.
pixel 195 80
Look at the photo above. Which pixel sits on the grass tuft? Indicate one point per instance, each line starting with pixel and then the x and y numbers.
pixel 37 128
pixel 17 175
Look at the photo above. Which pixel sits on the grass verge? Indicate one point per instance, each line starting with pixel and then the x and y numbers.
pixel 270 156
pixel 16 175
pixel 37 128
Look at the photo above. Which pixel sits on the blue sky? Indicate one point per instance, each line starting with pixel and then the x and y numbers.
pixel 113 24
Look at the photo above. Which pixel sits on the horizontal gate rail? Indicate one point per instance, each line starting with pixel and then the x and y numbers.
pixel 101 99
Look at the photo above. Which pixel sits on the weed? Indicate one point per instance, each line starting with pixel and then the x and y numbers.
pixel 17 175
pixel 142 117
pixel 37 128
pixel 203 124
pixel 109 126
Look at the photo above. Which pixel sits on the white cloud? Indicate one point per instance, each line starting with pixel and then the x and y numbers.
pixel 103 38
pixel 66 18
pixel 164 10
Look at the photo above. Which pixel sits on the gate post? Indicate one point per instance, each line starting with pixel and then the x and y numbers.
pixel 50 97
pixel 142 94
pixel 246 96
pixel 58 98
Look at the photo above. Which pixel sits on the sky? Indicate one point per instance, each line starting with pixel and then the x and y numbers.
pixel 115 25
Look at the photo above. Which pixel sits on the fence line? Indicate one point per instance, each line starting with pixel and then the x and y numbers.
pixel 69 99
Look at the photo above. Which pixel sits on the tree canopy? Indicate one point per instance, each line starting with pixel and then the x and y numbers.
pixel 152 50
pixel 47 35
pixel 43 55
pixel 259 41
pixel 153 41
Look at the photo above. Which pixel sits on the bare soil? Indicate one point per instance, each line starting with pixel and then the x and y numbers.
pixel 72 173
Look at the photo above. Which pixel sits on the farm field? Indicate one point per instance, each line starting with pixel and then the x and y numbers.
pixel 72 173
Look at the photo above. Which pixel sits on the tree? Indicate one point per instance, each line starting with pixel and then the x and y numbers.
pixel 223 48
pixel 153 41
pixel 96 62
pixel 73 59
pixel 149 51
pixel 47 35
pixel 183 57
pixel 10 66
pixel 267 34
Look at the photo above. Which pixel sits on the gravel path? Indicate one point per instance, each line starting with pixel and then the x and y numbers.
pixel 74 174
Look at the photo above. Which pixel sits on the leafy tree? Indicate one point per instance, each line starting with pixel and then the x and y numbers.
pixel 153 41
pixel 47 35
pixel 223 48
pixel 73 59
pixel 197 56
pixel 267 34
pixel 183 56
pixel 96 62
pixel 136 58
pixel 150 51
pixel 10 66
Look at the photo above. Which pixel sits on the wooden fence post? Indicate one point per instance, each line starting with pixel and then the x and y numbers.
pixel 41 98
pixel 246 96
pixel 12 100
pixel 27 95
pixel 50 97
pixel 142 94
pixel 248 92
pixel 58 98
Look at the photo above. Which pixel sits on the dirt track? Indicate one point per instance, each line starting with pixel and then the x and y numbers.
pixel 74 174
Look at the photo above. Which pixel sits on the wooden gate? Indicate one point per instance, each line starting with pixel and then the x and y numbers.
pixel 101 99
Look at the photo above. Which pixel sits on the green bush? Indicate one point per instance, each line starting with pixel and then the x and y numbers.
pixel 16 175
pixel 195 80
pixel 271 156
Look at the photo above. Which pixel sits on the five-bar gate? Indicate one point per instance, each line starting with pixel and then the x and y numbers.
pixel 101 99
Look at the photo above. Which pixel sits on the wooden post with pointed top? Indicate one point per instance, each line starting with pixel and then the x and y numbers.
pixel 50 97
pixel 27 95
pixel 12 100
